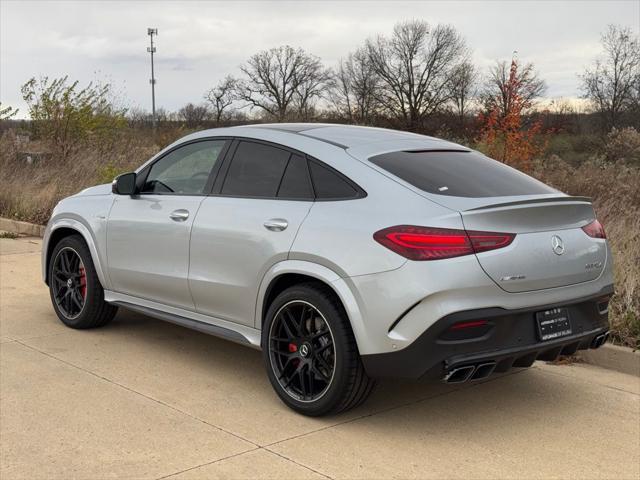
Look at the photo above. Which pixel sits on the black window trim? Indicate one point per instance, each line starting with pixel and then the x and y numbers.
pixel 141 176
pixel 216 190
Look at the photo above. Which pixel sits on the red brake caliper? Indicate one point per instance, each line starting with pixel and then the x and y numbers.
pixel 83 282
pixel 293 348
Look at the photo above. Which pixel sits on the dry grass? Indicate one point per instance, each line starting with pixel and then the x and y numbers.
pixel 29 192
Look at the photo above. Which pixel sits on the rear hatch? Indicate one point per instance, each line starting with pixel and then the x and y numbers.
pixel 550 248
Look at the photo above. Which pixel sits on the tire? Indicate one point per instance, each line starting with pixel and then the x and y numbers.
pixel 347 387
pixel 87 308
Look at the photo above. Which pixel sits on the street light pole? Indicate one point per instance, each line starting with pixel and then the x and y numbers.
pixel 151 32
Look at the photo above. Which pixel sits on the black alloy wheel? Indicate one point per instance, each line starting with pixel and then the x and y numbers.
pixel 69 283
pixel 75 289
pixel 302 351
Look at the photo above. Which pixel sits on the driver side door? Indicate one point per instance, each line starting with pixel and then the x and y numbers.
pixel 148 233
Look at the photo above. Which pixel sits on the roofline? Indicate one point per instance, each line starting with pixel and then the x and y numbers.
pixel 301 129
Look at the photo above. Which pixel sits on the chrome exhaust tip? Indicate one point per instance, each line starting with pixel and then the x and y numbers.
pixel 459 374
pixel 483 371
pixel 600 340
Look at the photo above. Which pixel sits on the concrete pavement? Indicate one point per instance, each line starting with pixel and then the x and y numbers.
pixel 142 398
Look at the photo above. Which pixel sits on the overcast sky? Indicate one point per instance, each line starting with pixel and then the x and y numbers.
pixel 201 42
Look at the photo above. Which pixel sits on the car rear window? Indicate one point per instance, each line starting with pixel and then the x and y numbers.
pixel 459 174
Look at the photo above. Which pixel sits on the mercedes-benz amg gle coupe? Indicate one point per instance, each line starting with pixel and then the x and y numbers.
pixel 344 253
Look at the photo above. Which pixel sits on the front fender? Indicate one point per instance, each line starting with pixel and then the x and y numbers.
pixel 77 223
pixel 325 275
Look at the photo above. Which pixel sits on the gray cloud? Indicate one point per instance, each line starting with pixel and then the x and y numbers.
pixel 201 42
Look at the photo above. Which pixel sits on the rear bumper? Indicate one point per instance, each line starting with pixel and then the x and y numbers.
pixel 509 339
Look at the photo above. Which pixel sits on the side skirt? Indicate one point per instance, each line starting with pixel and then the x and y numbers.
pixel 196 321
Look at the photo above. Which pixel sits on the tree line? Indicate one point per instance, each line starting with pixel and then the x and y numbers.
pixel 408 77
pixel 418 78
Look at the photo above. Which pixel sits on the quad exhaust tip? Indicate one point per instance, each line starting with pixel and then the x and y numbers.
pixel 470 372
pixel 483 371
pixel 600 340
pixel 459 374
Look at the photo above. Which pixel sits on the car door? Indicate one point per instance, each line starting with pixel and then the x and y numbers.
pixel 245 227
pixel 148 233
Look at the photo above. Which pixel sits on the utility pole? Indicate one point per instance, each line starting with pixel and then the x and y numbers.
pixel 151 32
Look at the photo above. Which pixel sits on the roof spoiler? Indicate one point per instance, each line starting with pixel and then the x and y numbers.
pixel 566 198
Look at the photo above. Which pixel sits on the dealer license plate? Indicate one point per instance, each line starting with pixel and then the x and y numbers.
pixel 553 323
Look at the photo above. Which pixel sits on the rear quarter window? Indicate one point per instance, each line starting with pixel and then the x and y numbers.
pixel 459 174
pixel 330 185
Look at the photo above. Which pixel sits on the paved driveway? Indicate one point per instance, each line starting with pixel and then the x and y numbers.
pixel 146 399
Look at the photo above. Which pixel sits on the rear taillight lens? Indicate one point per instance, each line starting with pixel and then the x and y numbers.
pixel 595 230
pixel 427 243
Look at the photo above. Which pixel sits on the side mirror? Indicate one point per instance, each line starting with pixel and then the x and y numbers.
pixel 124 184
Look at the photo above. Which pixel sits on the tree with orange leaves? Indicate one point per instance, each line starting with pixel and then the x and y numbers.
pixel 505 135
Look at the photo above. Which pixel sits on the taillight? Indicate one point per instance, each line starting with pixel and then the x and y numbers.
pixel 427 243
pixel 595 230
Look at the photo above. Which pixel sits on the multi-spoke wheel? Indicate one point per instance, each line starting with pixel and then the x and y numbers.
pixel 69 282
pixel 76 293
pixel 302 351
pixel 310 353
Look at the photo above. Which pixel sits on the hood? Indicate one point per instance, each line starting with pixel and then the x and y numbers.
pixel 104 189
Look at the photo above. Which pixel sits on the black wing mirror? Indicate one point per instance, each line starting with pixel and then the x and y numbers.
pixel 124 184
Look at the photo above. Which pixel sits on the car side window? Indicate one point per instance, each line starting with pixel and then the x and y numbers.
pixel 296 183
pixel 255 171
pixel 329 185
pixel 185 170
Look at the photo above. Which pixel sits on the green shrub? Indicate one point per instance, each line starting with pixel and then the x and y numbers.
pixel 68 116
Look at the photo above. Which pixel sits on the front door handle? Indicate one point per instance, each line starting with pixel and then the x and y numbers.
pixel 276 224
pixel 179 215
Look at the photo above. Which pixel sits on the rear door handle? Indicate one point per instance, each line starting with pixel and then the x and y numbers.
pixel 179 215
pixel 276 224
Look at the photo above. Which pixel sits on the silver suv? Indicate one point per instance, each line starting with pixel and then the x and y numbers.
pixel 345 253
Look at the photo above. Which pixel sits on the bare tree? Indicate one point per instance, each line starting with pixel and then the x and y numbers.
pixel 635 100
pixel 282 79
pixel 312 79
pixel 500 91
pixel 612 83
pixel 415 65
pixel 354 88
pixel 194 115
pixel 463 86
pixel 221 98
